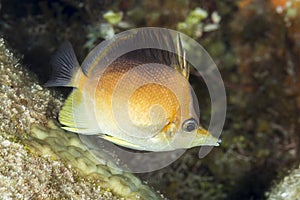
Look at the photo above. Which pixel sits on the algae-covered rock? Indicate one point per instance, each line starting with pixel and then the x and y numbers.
pixel 288 188
pixel 39 160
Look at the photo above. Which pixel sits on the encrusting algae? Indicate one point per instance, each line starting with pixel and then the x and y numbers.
pixel 288 188
pixel 38 160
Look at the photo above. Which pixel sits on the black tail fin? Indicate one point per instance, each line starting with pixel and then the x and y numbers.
pixel 65 67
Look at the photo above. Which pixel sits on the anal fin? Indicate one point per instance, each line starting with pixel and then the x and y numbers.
pixel 119 141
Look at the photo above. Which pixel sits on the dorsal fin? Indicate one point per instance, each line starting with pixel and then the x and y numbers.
pixel 177 60
pixel 139 41
pixel 165 40
pixel 66 68
pixel 182 66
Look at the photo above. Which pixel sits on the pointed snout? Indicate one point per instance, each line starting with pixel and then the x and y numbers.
pixel 204 137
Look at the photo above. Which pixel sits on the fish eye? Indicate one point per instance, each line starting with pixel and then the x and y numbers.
pixel 189 125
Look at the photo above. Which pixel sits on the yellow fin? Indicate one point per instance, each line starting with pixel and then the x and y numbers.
pixel 119 141
pixel 76 116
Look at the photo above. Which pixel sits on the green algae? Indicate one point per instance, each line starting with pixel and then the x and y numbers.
pixel 38 160
pixel 113 18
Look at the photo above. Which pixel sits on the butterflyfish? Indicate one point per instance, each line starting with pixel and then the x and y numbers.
pixel 140 100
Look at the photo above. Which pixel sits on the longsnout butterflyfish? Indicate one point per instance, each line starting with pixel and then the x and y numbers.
pixel 141 99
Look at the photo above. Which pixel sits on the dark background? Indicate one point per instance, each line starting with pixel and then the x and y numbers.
pixel 256 48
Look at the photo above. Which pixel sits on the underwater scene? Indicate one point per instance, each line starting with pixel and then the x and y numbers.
pixel 152 99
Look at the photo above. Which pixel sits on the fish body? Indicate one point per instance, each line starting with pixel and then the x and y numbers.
pixel 141 100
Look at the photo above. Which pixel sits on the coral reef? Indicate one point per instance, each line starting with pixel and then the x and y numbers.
pixel 288 188
pixel 25 176
pixel 38 160
pixel 256 47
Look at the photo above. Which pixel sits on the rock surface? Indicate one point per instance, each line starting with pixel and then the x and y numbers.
pixel 288 188
pixel 38 160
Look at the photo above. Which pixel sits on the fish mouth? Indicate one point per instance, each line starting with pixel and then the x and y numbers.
pixel 205 138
